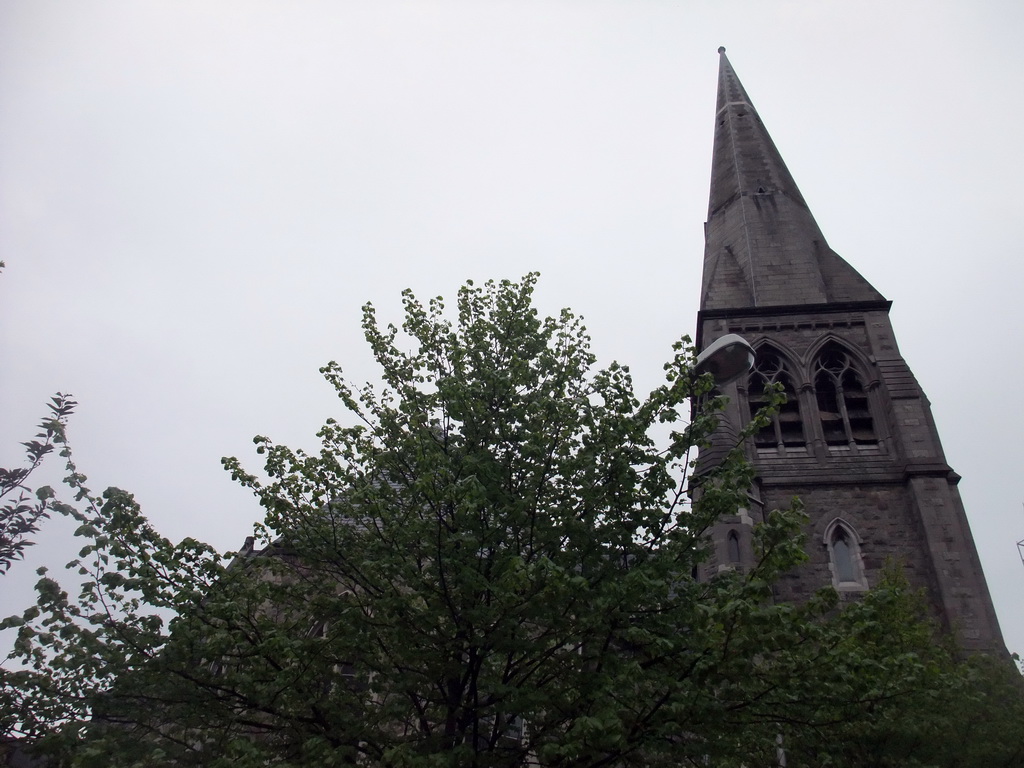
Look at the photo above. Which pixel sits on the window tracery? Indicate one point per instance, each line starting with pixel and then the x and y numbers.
pixel 842 400
pixel 786 429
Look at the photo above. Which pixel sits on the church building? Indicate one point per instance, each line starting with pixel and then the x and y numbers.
pixel 855 440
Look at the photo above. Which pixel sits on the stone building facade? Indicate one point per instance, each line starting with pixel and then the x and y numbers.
pixel 856 440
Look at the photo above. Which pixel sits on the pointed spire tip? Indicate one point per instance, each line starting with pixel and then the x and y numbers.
pixel 721 49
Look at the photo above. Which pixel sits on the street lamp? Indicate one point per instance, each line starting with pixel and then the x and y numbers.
pixel 726 359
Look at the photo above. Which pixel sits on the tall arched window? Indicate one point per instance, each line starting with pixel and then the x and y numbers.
pixel 842 400
pixel 844 558
pixel 732 546
pixel 786 428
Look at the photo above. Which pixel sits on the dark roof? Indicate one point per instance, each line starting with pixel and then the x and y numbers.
pixel 762 245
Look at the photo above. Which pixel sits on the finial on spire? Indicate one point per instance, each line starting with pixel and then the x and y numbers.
pixel 721 49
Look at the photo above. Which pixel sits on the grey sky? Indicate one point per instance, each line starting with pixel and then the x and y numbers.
pixel 197 197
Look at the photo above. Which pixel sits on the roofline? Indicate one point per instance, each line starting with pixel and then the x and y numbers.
pixel 834 307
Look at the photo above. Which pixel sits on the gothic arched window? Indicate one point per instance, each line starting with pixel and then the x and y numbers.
pixel 786 428
pixel 732 546
pixel 844 558
pixel 842 400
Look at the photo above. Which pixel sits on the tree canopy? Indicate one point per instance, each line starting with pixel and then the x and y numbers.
pixel 491 561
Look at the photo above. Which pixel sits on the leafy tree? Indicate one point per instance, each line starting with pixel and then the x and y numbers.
pixel 944 711
pixel 22 510
pixel 491 564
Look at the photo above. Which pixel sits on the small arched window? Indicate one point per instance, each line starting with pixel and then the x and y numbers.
pixel 732 547
pixel 786 428
pixel 842 400
pixel 844 558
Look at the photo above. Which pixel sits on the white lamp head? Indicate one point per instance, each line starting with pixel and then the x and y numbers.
pixel 726 359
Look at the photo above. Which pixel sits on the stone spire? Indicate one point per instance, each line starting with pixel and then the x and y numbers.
pixel 762 245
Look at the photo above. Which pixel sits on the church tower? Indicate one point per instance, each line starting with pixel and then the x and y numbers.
pixel 855 440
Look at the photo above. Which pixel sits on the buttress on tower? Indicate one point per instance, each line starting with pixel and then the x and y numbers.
pixel 855 440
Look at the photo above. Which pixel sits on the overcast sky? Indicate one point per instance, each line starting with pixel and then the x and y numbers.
pixel 197 197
